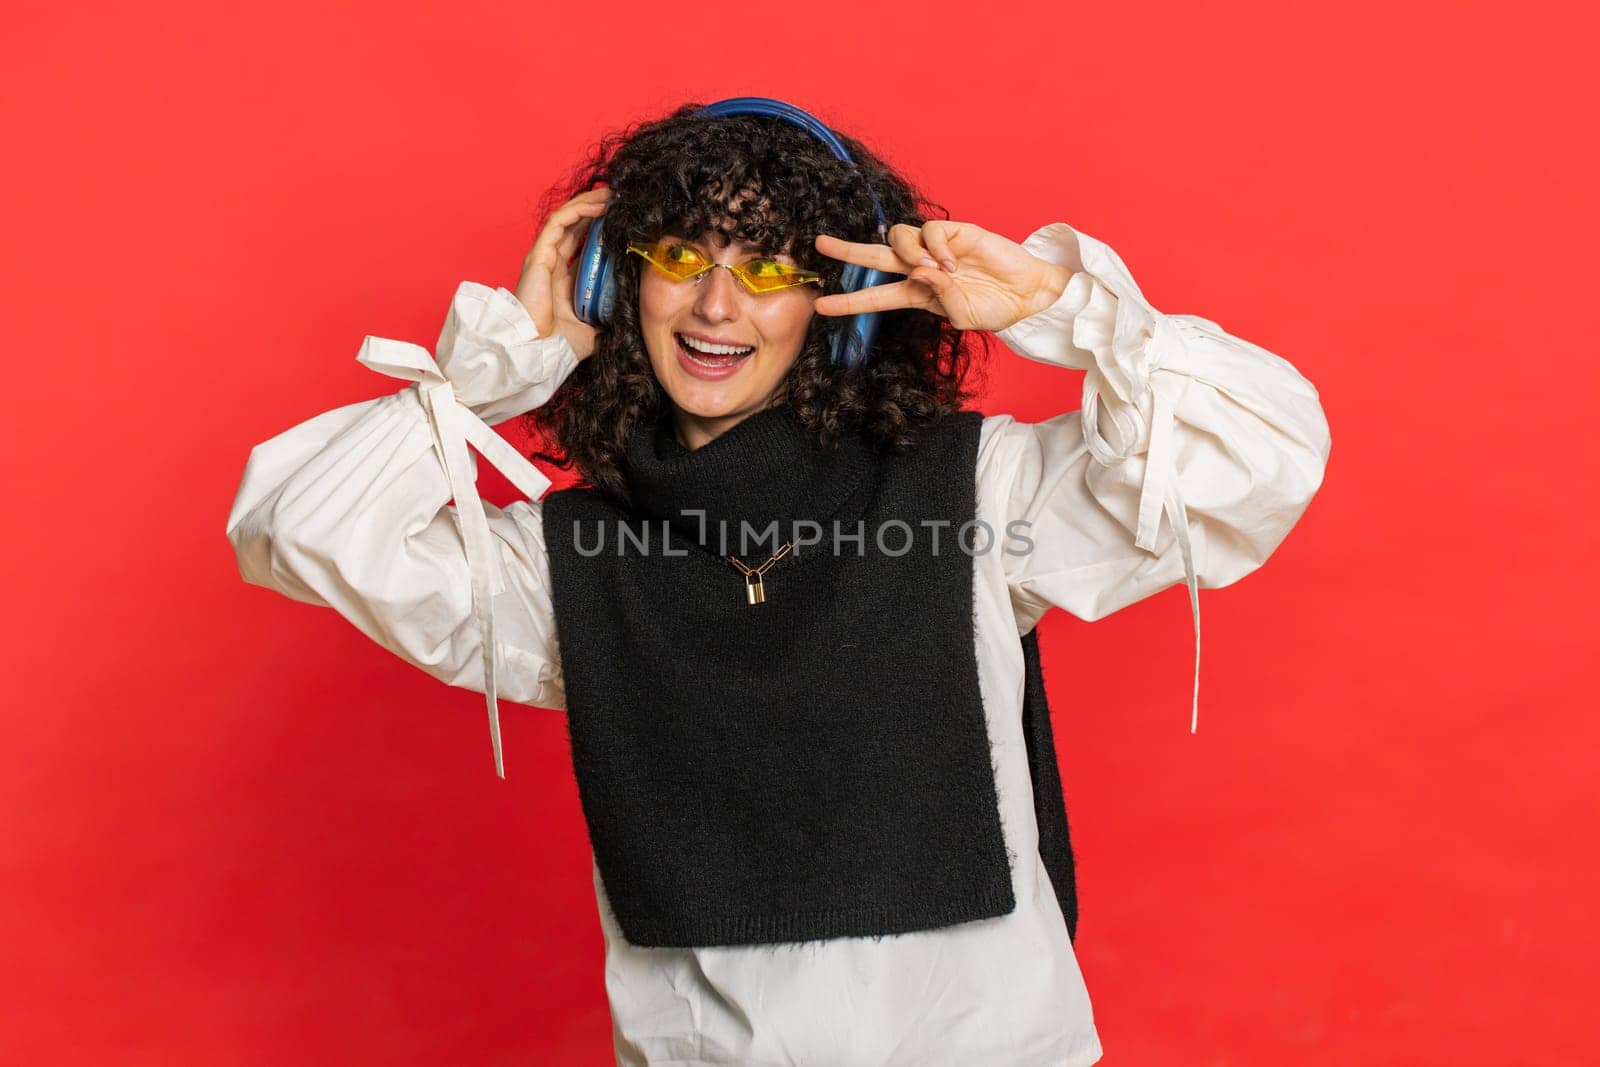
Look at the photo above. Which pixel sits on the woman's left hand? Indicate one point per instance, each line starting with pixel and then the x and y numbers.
pixel 976 279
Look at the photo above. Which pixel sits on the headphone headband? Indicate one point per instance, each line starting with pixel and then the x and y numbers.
pixel 761 105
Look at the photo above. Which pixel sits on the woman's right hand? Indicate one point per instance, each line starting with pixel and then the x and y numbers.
pixel 547 281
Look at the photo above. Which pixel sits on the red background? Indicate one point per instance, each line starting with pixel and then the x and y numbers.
pixel 237 832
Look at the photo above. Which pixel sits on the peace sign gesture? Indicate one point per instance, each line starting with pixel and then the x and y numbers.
pixel 976 279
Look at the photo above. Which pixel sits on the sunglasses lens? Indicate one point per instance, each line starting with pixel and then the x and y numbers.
pixel 765 275
pixel 680 260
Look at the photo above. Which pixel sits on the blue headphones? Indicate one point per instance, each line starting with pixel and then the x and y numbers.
pixel 594 291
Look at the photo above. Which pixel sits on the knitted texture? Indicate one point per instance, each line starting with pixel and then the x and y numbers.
pixel 810 767
pixel 1049 806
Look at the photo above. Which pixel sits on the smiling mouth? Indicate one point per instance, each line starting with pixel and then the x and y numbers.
pixel 709 355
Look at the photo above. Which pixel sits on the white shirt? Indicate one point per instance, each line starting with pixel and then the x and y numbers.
pixel 1178 419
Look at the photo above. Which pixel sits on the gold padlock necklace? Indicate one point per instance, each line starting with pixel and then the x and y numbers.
pixel 754 591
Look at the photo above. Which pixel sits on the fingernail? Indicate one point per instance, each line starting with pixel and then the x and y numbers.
pixel 950 265
pixel 927 261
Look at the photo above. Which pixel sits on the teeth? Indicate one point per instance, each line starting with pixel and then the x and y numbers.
pixel 710 349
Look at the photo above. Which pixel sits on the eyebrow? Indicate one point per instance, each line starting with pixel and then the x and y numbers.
pixel 743 246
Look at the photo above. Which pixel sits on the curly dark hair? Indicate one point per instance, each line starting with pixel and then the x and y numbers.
pixel 763 180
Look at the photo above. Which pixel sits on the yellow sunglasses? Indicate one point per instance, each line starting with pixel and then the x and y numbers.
pixel 680 262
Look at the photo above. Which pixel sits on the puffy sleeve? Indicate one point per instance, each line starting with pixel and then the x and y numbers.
pixel 349 509
pixel 1192 455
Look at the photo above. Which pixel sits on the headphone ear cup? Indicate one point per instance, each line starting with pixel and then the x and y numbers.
pixel 593 291
pixel 852 346
pixel 608 290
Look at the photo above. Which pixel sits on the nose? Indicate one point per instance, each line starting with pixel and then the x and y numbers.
pixel 718 296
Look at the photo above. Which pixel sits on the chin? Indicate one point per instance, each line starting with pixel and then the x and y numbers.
pixel 709 399
pixel 706 401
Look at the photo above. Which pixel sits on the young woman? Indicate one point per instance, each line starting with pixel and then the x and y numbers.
pixel 790 610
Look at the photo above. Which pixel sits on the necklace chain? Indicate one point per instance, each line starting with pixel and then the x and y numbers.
pixel 755 591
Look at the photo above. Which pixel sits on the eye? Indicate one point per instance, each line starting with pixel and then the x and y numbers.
pixel 683 256
pixel 766 268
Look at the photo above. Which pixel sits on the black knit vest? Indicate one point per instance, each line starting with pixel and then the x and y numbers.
pixel 814 765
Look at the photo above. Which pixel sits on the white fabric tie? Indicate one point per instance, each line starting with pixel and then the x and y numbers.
pixel 454 425
pixel 1160 489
